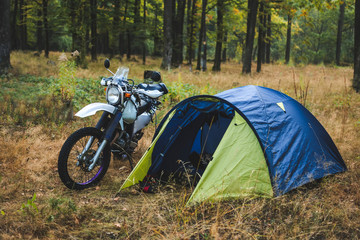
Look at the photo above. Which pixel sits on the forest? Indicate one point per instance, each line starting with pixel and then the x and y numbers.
pixel 198 34
pixel 51 65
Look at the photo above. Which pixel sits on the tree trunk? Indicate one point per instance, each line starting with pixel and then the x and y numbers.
pixel 81 35
pixel 177 58
pixel 115 46
pixel 103 42
pixel 157 40
pixel 14 39
pixel 202 36
pixel 250 34
pixel 168 41
pixel 136 29
pixel 268 38
pixel 263 24
pixel 191 37
pixel 219 34
pixel 46 27
pixel 23 32
pixel 223 57
pixel 188 31
pixel 356 80
pixel 204 56
pixel 339 32
pixel 144 40
pixel 87 28
pixel 124 31
pixel 129 39
pixel 76 21
pixel 39 29
pixel 288 40
pixel 260 38
pixel 93 23
pixel 4 36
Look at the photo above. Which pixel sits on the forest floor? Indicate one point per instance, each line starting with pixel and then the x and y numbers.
pixel 34 204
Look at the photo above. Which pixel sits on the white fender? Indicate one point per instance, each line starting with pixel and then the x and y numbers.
pixel 92 108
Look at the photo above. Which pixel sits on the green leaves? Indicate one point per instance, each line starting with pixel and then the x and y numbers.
pixel 65 85
pixel 30 206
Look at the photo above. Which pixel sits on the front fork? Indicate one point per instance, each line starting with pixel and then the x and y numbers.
pixel 108 135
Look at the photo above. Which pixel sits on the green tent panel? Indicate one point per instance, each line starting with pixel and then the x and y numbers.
pixel 142 167
pixel 238 168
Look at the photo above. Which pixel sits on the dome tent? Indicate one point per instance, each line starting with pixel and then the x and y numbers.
pixel 262 142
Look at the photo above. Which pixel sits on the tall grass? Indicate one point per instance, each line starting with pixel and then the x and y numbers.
pixel 328 209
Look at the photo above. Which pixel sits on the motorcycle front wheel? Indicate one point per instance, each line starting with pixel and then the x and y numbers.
pixel 76 156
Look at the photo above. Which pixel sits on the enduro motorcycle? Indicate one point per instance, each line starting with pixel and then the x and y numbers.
pixel 85 156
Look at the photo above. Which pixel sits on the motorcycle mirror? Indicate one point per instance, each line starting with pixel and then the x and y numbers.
pixel 107 63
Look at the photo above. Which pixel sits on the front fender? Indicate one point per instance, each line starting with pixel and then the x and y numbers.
pixel 92 108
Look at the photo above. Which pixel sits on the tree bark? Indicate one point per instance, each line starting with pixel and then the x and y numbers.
pixel 191 37
pixel 135 36
pixel 263 24
pixel 23 32
pixel 288 40
pixel 74 34
pixel 39 30
pixel 144 40
pixel 14 39
pixel 93 23
pixel 129 43
pixel 168 41
pixel 4 36
pixel 155 33
pixel 202 37
pixel 81 35
pixel 260 38
pixel 224 56
pixel 157 39
pixel 219 34
pixel 204 56
pixel 268 38
pixel 356 80
pixel 339 33
pixel 188 30
pixel 250 34
pixel 116 23
pixel 87 27
pixel 178 23
pixel 46 27
pixel 123 49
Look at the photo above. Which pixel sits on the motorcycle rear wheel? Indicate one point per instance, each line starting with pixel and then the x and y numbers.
pixel 73 163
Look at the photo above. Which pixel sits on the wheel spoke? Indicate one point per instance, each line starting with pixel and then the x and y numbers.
pixel 80 173
pixel 76 156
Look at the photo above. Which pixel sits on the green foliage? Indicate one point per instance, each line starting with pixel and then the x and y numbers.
pixel 65 86
pixel 314 33
pixel 38 100
pixel 30 207
pixel 61 208
pixel 179 91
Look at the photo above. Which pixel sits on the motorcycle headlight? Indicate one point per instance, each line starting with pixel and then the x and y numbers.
pixel 113 95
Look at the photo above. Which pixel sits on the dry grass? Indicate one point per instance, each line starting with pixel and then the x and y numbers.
pixel 325 210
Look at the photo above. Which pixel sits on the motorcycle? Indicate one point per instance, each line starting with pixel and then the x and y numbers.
pixel 85 156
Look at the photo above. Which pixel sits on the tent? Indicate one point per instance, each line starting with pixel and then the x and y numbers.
pixel 261 142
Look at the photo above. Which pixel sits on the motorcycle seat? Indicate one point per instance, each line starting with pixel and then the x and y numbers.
pixel 153 87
